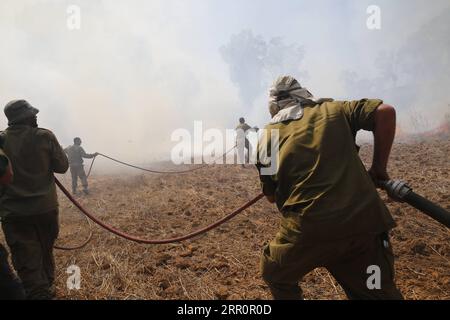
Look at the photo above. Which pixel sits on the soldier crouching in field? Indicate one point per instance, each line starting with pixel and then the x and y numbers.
pixel 332 215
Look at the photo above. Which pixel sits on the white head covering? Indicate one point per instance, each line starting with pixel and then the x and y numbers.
pixel 287 98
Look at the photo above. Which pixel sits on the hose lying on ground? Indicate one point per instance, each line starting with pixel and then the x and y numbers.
pixel 79 246
pixel 156 241
pixel 84 243
pixel 394 188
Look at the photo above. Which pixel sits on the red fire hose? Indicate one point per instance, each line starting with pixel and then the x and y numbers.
pixel 78 246
pixel 156 241
pixel 130 237
pixel 151 170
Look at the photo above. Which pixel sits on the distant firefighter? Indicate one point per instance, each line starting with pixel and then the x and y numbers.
pixel 76 154
pixel 242 142
pixel 331 213
pixel 29 204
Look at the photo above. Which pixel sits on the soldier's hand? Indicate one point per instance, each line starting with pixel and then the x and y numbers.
pixel 270 198
pixel 378 176
pixel 96 154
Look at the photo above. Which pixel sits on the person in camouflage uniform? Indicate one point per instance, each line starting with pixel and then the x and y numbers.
pixel 331 213
pixel 29 205
pixel 76 154
pixel 10 286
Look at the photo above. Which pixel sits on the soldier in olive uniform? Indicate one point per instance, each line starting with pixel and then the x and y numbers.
pixel 10 286
pixel 29 205
pixel 331 213
pixel 76 154
pixel 242 142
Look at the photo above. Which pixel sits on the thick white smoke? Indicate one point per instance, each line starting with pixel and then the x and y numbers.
pixel 137 70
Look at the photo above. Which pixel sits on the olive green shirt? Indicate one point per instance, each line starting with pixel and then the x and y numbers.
pixel 243 126
pixel 76 153
pixel 35 155
pixel 321 186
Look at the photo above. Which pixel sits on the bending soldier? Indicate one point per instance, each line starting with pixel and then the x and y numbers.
pixel 331 213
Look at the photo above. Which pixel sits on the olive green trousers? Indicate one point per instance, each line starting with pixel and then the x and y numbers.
pixel 363 266
pixel 30 240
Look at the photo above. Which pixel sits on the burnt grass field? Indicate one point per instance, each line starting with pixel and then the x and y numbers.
pixel 224 263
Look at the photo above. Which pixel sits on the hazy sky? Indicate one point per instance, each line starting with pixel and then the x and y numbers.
pixel 137 70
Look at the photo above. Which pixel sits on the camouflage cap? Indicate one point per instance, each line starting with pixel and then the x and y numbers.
pixel 18 110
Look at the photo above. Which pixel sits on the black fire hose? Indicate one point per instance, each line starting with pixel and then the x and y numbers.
pixel 401 191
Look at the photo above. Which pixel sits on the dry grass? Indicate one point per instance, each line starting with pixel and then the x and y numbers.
pixel 224 264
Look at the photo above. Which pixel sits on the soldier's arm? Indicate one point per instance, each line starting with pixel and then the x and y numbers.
pixel 87 155
pixel 267 184
pixel 270 198
pixel 268 188
pixel 383 133
pixel 361 113
pixel 58 158
pixel 373 115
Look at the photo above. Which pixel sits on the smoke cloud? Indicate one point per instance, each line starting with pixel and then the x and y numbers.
pixel 137 70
